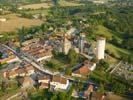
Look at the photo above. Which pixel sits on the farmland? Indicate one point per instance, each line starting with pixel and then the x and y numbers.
pixel 36 6
pixel 49 4
pixel 14 22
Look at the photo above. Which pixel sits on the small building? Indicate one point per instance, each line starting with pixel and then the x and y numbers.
pixel 59 83
pixel 21 72
pixel 2 19
pixel 75 94
pixel 89 91
pixel 11 74
pixel 43 81
pixel 30 70
pixel 81 72
pixel 90 65
pixel 72 31
pixel 18 71
pixel 26 82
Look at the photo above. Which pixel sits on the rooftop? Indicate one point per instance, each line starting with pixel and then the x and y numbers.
pixel 82 70
pixel 59 79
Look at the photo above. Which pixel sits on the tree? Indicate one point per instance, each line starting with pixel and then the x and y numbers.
pixel 0 55
pixel 103 63
pixel 73 57
pixel 3 86
pixel 101 88
pixel 118 87
pixel 62 96
pixel 94 59
pixel 0 58
pixel 68 71
pixel 55 2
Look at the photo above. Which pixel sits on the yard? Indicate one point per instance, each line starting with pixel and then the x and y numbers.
pixel 55 64
pixel 14 22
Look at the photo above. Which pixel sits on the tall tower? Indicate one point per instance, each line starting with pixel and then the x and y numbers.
pixel 100 48
pixel 81 45
pixel 66 45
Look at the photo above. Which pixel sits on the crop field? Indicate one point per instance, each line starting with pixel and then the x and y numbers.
pixel 66 3
pixel 49 4
pixel 36 6
pixel 14 22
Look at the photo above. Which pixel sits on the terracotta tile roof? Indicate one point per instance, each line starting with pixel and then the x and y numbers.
pixel 25 80
pixel 88 63
pixel 40 77
pixel 12 73
pixel 82 70
pixel 44 85
pixel 30 67
pixel 21 70
pixel 59 79
pixel 97 96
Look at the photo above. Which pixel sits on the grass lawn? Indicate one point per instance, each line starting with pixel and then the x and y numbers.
pixel 118 52
pixel 8 93
pixel 98 76
pixel 56 64
pixel 101 30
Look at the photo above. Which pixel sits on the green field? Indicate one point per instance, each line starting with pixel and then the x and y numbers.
pixel 38 11
pixel 118 52
pixel 101 30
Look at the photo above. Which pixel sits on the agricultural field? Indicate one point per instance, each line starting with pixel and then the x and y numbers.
pixel 36 6
pixel 67 3
pixel 49 4
pixel 101 30
pixel 14 22
pixel 118 52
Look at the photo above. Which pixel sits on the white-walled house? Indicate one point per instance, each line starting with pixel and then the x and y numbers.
pixel 43 81
pixel 59 82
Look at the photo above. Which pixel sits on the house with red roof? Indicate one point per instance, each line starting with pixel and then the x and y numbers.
pixel 81 72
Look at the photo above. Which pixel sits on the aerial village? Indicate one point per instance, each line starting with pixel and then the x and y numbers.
pixel 26 65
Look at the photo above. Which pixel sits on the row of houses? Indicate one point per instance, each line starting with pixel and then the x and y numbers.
pixel 89 94
pixel 28 77
pixel 22 69
pixel 55 82
pixel 7 55
pixel 36 51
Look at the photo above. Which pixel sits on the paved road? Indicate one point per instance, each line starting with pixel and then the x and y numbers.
pixel 38 66
pixel 31 62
